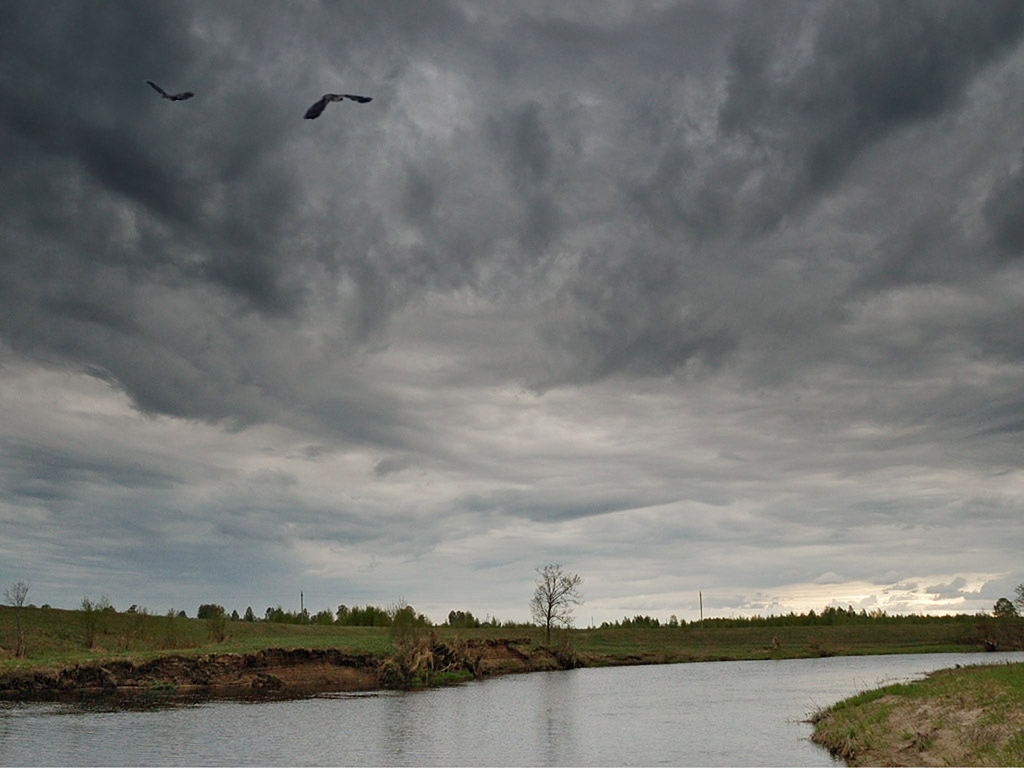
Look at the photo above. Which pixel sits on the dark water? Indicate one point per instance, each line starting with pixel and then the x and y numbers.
pixel 720 713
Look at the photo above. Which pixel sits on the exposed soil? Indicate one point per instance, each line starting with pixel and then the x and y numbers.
pixel 921 732
pixel 927 733
pixel 270 673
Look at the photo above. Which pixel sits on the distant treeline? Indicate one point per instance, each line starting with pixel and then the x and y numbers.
pixel 375 616
pixel 829 616
pixel 356 616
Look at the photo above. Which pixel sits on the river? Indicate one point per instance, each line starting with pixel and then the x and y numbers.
pixel 714 713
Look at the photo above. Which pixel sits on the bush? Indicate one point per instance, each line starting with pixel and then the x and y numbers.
pixel 92 618
pixel 209 610
pixel 218 622
pixel 463 620
pixel 370 616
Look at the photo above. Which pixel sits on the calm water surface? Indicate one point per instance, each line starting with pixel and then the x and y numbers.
pixel 717 713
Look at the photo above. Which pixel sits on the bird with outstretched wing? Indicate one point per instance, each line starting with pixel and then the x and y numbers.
pixel 172 96
pixel 315 111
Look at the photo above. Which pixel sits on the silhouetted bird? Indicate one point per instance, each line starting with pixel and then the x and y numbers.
pixel 171 96
pixel 315 111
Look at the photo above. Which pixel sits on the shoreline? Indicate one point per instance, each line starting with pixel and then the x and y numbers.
pixel 276 673
pixel 285 673
pixel 958 716
pixel 157 658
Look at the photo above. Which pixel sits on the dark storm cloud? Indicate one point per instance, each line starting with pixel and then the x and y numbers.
pixel 50 473
pixel 870 69
pixel 525 143
pixel 101 173
pixel 73 96
pixel 632 315
pixel 802 102
pixel 1004 211
pixel 215 171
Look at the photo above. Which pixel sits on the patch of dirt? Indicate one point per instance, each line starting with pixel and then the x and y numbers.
pixel 500 656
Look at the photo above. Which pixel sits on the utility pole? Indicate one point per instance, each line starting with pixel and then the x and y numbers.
pixel 700 597
pixel 302 604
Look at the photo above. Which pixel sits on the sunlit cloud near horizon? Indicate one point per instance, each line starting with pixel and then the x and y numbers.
pixel 711 303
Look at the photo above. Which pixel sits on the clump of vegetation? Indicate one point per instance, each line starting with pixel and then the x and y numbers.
pixel 566 655
pixel 413 658
pixel 216 618
pixel 93 619
pixel 1004 629
pixel 463 620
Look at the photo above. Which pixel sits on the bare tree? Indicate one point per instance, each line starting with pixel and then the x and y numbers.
pixel 1019 599
pixel 556 594
pixel 15 596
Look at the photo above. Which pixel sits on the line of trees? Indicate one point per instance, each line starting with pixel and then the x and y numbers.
pixel 356 616
pixel 828 616
pixel 555 597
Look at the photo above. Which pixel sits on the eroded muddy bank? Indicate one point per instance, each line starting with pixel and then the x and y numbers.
pixel 278 672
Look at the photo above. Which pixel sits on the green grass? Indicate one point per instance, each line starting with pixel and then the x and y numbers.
pixel 963 716
pixel 54 637
pixel 732 643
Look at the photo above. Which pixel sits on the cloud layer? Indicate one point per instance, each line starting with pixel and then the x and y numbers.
pixel 718 297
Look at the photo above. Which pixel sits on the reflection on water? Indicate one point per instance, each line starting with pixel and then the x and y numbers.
pixel 718 713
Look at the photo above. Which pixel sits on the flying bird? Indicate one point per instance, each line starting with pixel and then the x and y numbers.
pixel 171 96
pixel 315 111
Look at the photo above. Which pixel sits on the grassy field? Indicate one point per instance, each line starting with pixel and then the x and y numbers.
pixel 731 643
pixel 964 716
pixel 55 637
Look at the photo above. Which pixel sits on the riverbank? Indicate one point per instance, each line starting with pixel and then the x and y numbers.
pixel 278 672
pixel 140 653
pixel 963 716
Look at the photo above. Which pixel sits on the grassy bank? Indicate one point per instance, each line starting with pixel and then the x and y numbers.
pixel 964 716
pixel 55 638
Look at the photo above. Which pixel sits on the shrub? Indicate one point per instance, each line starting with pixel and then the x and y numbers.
pixel 92 619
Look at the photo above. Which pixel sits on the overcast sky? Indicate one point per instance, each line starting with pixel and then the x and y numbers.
pixel 689 297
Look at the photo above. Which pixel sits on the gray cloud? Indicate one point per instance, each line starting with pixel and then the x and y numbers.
pixel 718 294
pixel 809 108
pixel 1003 209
